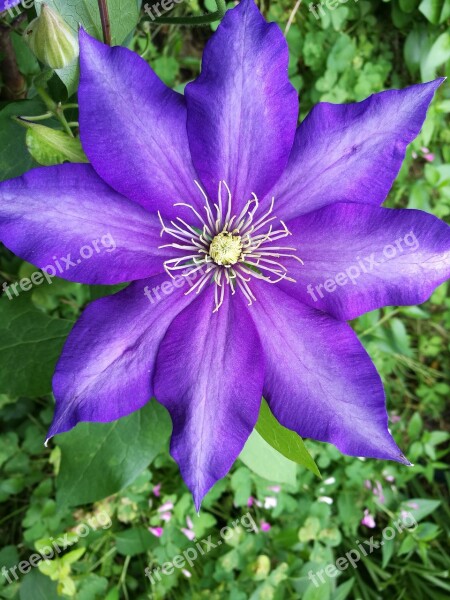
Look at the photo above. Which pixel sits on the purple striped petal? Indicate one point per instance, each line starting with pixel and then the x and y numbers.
pixel 106 367
pixel 209 375
pixel 242 110
pixel 66 220
pixel 320 382
pixel 351 152
pixel 133 128
pixel 358 258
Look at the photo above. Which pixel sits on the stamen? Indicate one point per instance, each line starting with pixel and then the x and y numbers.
pixel 227 250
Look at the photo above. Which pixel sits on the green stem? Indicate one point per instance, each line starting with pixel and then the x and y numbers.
pixel 380 322
pixel 62 119
pixel 196 21
pixel 47 115
pixel 49 103
pixel 55 109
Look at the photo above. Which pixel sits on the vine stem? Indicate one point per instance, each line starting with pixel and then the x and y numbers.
pixel 55 109
pixel 106 24
pixel 292 17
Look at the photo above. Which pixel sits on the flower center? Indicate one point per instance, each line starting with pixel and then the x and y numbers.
pixel 226 248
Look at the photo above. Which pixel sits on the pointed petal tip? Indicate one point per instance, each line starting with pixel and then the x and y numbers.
pixel 405 461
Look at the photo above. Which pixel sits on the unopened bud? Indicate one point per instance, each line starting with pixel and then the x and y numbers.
pixel 51 39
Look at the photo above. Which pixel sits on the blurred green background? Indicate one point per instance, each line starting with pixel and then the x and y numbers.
pixel 124 471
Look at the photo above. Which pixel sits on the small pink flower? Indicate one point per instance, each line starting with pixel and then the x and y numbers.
pixel 378 491
pixel 368 520
pixel 265 526
pixel 412 505
pixel 188 533
pixel 189 522
pixel 253 501
pixel 157 490
pixel 156 531
pixel 274 488
pixel 395 418
pixel 165 507
pixel 390 478
pixel 429 156
pixel 166 516
pixel 424 149
pixel 367 484
pixel 414 154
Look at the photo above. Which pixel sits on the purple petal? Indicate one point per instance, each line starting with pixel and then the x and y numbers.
pixel 67 219
pixel 242 110
pixel 133 128
pixel 209 375
pixel 105 370
pixel 351 152
pixel 6 4
pixel 358 258
pixel 320 382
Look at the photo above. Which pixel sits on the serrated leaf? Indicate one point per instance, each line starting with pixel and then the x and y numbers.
pixel 286 442
pixel 99 459
pixel 30 343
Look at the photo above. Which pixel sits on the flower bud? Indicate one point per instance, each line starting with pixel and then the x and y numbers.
pixel 51 39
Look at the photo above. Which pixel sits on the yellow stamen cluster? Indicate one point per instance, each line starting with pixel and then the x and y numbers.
pixel 226 249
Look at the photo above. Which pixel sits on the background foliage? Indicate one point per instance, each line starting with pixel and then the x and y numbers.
pixel 357 49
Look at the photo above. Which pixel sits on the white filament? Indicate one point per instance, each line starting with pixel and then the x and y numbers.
pixel 257 256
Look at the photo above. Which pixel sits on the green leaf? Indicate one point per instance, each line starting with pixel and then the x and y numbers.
pixel 92 587
pixel 415 48
pixel 123 15
pixel 136 540
pixel 343 590
pixel 286 442
pixel 36 586
pixel 436 11
pixel 73 556
pixel 438 55
pixel 14 158
pixel 30 343
pixel 52 147
pixel 420 508
pixel 408 6
pixel 266 462
pixel 99 459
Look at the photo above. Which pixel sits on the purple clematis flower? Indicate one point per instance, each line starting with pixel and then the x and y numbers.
pixel 7 4
pixel 273 233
